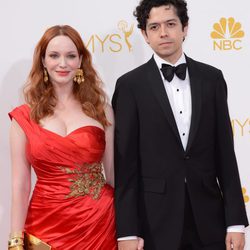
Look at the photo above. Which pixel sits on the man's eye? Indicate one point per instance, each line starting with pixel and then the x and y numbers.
pixel 154 27
pixel 171 24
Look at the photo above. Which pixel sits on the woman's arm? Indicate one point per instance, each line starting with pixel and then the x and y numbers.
pixel 108 158
pixel 21 178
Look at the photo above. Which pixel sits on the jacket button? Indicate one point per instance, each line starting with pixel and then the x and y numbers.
pixel 187 157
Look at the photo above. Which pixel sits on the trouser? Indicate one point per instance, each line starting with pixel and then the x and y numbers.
pixel 190 236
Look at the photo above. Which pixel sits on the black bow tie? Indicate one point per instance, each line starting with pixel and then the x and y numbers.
pixel 168 71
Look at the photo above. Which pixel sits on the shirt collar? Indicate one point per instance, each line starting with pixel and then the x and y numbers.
pixel 159 61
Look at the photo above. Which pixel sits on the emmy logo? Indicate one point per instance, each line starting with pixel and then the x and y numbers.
pixel 122 26
pixel 114 42
pixel 240 127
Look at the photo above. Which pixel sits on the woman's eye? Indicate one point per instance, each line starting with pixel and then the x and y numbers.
pixel 72 56
pixel 53 55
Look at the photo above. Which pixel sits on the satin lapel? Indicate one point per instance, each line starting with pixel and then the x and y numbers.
pixel 155 81
pixel 195 84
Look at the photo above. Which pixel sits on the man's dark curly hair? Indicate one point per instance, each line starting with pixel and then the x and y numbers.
pixel 143 9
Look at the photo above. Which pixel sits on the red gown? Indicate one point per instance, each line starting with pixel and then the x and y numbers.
pixel 71 206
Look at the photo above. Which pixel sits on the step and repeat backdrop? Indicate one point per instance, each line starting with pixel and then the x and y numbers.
pixel 219 34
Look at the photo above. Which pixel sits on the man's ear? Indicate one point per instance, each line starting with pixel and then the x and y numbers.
pixel 185 30
pixel 144 33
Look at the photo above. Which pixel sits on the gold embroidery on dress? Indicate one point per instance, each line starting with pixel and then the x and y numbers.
pixel 87 179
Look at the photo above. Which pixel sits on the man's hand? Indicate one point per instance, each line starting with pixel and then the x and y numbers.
pixel 131 244
pixel 140 243
pixel 235 241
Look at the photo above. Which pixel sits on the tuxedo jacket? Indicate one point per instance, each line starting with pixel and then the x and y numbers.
pixel 151 165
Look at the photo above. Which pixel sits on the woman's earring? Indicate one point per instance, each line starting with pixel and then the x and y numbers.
pixel 45 75
pixel 79 78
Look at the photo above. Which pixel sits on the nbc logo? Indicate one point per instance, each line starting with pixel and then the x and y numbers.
pixel 245 196
pixel 227 34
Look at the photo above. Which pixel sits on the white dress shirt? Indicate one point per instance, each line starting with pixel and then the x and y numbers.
pixel 179 96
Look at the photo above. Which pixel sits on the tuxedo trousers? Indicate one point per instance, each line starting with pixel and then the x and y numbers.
pixel 190 236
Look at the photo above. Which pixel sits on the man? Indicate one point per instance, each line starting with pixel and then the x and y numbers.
pixel 177 181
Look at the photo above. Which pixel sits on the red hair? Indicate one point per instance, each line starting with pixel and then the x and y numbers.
pixel 41 96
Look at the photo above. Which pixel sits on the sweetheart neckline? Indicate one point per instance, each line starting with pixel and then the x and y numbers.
pixel 73 131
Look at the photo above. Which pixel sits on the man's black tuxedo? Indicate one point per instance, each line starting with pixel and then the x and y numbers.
pixel 151 165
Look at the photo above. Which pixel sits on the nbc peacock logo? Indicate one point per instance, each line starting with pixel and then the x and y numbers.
pixel 245 196
pixel 227 34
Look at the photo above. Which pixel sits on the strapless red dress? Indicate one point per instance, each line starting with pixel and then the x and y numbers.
pixel 71 206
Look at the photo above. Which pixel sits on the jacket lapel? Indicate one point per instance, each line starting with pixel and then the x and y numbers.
pixel 195 84
pixel 155 81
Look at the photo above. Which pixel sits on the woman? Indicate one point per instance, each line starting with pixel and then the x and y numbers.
pixel 65 132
